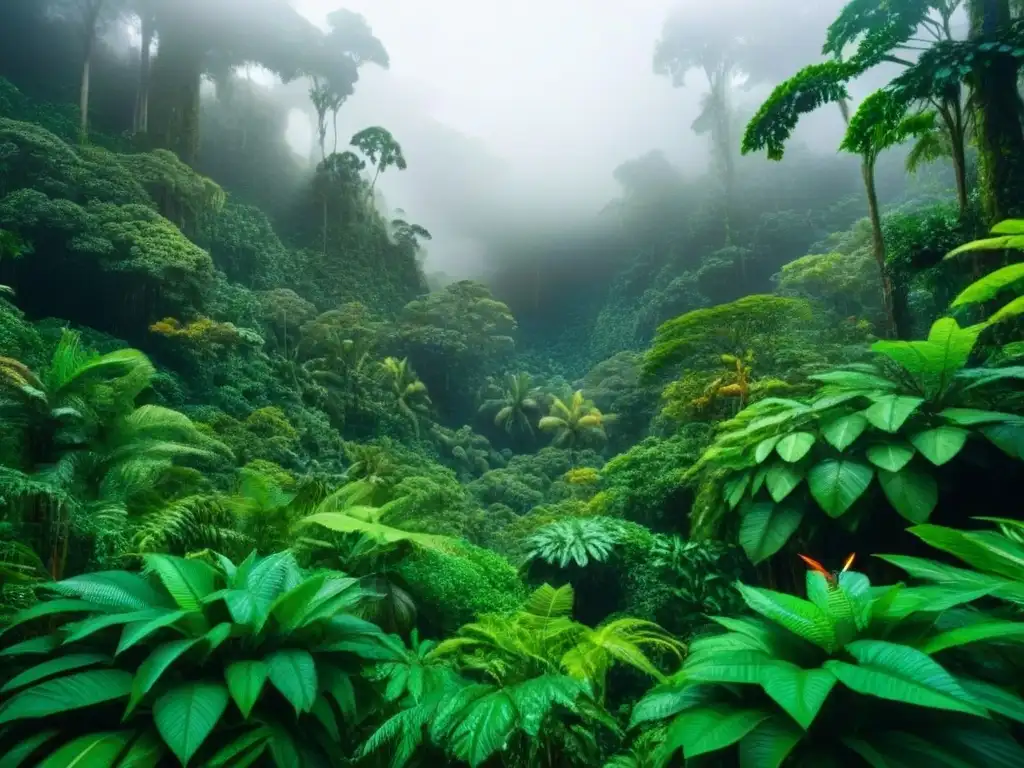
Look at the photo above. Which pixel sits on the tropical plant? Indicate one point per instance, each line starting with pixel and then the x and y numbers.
pixel 700 574
pixel 515 405
pixel 577 540
pixel 898 420
pixel 575 423
pixel 846 677
pixel 1002 282
pixel 191 663
pixel 409 392
pixel 528 684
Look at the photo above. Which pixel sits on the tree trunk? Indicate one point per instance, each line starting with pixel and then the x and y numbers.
pixel 174 92
pixel 140 124
pixel 878 248
pixel 999 134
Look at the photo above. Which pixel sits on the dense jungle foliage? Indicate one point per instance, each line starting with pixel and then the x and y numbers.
pixel 269 498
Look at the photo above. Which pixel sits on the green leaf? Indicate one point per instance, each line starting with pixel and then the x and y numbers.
pixel 150 671
pixel 837 483
pixel 911 491
pixel 770 743
pixel 968 417
pixel 187 581
pixel 293 673
pixel 994 698
pixel 66 694
pixel 707 729
pixel 765 447
pixel 735 487
pixel 15 756
pixel 251 743
pixel 484 728
pixel 794 447
pixel 138 631
pixel 1008 437
pixel 841 433
pixel 891 457
pixel 187 714
pixel 146 752
pixel 766 527
pixel 664 701
pixel 52 667
pixel 782 479
pixel 95 750
pixel 989 286
pixel 985 550
pixel 941 444
pixel 800 617
pixel 115 589
pixel 904 674
pixel 801 692
pixel 890 412
pixel 79 630
pixel 245 682
pixel 1012 310
pixel 975 633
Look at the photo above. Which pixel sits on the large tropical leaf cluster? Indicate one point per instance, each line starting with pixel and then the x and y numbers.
pixel 529 685
pixel 853 675
pixel 188 662
pixel 895 423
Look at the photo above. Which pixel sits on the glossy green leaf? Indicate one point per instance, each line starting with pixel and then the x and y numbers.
pixel 890 456
pixel 913 492
pixel 765 447
pixel 735 487
pixel 250 743
pixel 187 581
pixel 67 694
pixel 245 683
pixel 841 433
pixel 52 667
pixel 136 632
pixel 969 417
pixel 1007 437
pixel 187 714
pixel 293 673
pixel 158 661
pixel 794 447
pixel 994 698
pixel 781 479
pixel 766 527
pixel 904 674
pixel 837 483
pixel 708 729
pixel 95 750
pixel 890 412
pixel 16 756
pixel 484 728
pixel 770 743
pixel 983 631
pixel 941 444
pixel 801 692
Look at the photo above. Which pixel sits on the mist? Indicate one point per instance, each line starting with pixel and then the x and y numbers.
pixel 513 117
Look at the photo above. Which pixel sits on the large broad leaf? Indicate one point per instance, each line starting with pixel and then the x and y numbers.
pixel 766 527
pixel 151 670
pixel 138 631
pixel 550 603
pixel 735 487
pixel 66 694
pixel 1012 310
pixel 293 673
pixel 837 483
pixel 890 412
pixel 96 750
pixel 245 683
pixel 708 729
pixel 968 417
pixel 186 715
pixel 1007 437
pixel 116 589
pixel 994 698
pixel 933 363
pixel 904 674
pixel 911 491
pixel 858 380
pixel 984 631
pixel 941 444
pixel 800 617
pixel 794 447
pixel 985 550
pixel 988 287
pixel 535 698
pixel 187 581
pixel 16 755
pixel 251 744
pixel 665 701
pixel 801 692
pixel 484 728
pixel 781 479
pixel 842 432
pixel 765 447
pixel 891 456
pixel 52 667
pixel 770 743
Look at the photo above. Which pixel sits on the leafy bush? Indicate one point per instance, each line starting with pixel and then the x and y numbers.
pixel 176 661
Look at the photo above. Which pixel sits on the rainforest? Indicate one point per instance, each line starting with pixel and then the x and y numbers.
pixel 620 389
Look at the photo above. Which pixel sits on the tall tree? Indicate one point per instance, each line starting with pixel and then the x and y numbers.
pixel 146 12
pixel 381 148
pixel 998 116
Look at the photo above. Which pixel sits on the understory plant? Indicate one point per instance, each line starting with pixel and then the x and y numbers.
pixel 188 663
pixel 898 422
pixel 854 675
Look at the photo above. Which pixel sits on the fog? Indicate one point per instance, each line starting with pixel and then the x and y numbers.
pixel 513 116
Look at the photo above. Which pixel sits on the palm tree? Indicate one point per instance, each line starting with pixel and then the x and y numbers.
pixel 576 423
pixel 409 392
pixel 516 405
